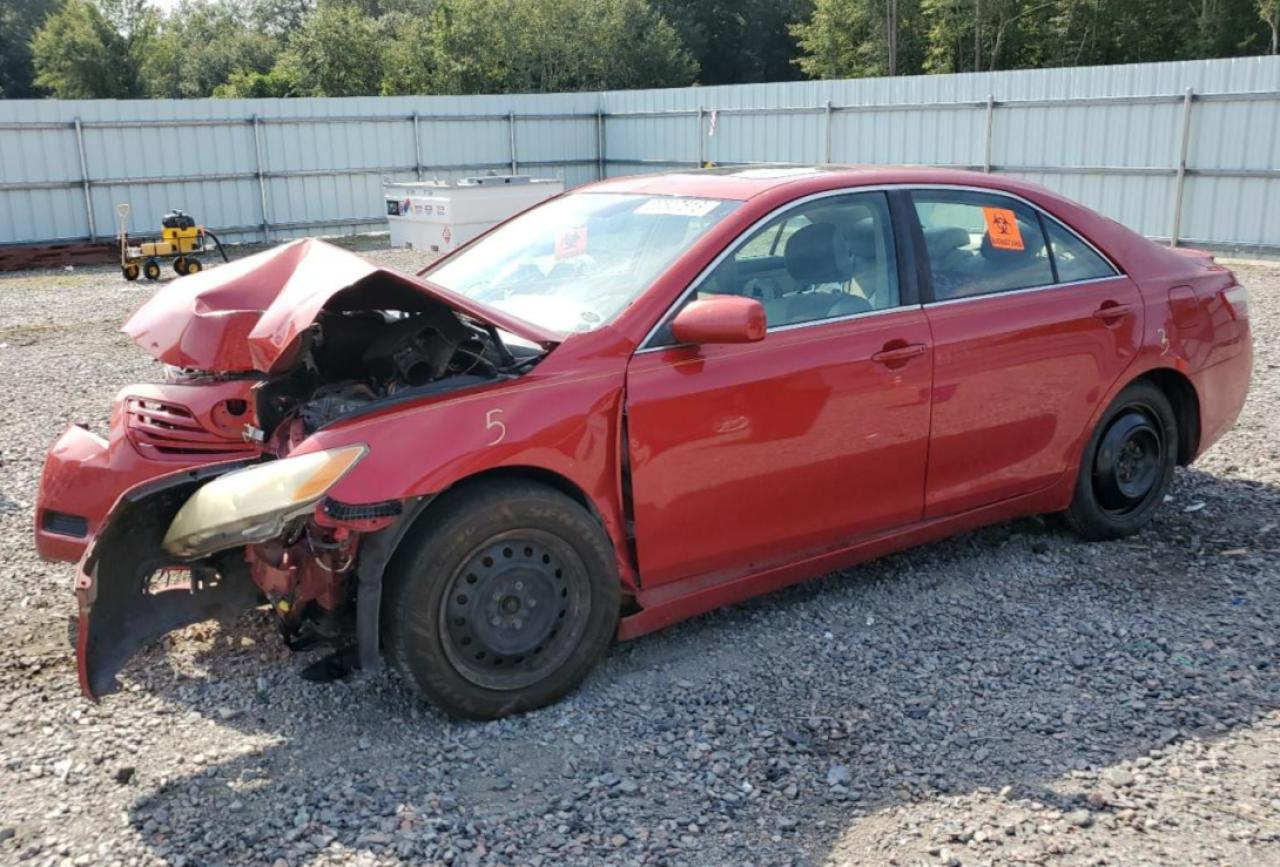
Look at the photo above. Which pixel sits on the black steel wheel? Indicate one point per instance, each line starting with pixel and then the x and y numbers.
pixel 515 609
pixel 151 269
pixel 1128 465
pixel 501 599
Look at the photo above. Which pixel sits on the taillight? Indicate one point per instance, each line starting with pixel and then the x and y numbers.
pixel 1237 298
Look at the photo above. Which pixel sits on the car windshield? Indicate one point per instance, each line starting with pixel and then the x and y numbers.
pixel 576 262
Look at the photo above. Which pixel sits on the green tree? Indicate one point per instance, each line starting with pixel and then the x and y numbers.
pixel 19 21
pixel 541 46
pixel 338 52
pixel 849 38
pixel 201 44
pixel 254 85
pixel 736 41
pixel 87 51
pixel 1269 12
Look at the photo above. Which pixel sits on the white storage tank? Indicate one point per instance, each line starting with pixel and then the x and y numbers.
pixel 438 216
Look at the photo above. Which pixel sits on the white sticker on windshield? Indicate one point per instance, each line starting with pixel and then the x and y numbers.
pixel 679 207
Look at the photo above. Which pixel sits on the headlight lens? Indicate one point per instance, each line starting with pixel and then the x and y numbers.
pixel 254 504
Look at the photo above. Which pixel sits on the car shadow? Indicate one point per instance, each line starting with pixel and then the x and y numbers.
pixel 1010 656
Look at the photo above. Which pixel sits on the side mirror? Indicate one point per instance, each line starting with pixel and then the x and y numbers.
pixel 720 319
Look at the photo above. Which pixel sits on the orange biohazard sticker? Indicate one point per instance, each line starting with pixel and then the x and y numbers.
pixel 571 242
pixel 1002 229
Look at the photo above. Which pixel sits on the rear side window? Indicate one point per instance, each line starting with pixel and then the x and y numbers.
pixel 1074 259
pixel 979 244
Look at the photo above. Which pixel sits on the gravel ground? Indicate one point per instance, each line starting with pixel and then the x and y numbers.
pixel 1010 696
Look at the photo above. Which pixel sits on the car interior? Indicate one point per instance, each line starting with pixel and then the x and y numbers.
pixel 820 263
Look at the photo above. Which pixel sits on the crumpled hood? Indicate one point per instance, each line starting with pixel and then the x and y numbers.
pixel 247 315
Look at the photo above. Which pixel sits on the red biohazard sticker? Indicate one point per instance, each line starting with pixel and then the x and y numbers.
pixel 571 242
pixel 1002 229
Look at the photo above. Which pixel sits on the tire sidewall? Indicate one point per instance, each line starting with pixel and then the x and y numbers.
pixel 1086 514
pixel 420 575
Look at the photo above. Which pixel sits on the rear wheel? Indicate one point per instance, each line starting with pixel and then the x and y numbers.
pixel 180 265
pixel 1127 466
pixel 192 265
pixel 504 603
pixel 131 271
pixel 151 269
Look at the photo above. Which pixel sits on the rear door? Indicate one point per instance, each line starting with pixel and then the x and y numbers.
pixel 752 455
pixel 1030 326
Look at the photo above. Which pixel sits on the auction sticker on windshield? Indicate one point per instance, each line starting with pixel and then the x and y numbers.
pixel 679 207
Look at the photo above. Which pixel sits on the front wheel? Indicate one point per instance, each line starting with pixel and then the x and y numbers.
pixel 504 602
pixel 1127 466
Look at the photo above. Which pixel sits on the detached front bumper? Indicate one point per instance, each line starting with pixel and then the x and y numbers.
pixel 156 430
pixel 131 593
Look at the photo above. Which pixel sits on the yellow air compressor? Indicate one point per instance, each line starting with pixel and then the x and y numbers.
pixel 180 239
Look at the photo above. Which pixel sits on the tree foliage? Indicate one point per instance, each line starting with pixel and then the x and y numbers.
pixel 89 50
pixel 276 48
pixel 858 37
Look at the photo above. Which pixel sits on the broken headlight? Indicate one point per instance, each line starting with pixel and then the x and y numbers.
pixel 255 504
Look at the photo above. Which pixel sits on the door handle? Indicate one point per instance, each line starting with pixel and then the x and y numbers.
pixel 899 354
pixel 1111 312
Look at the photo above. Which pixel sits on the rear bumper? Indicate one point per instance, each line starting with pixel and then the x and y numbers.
pixel 1222 389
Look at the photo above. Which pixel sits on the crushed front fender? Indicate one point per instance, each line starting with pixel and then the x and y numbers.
pixel 130 592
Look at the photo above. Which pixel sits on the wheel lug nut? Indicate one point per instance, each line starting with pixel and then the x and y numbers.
pixel 496 620
pixel 519 585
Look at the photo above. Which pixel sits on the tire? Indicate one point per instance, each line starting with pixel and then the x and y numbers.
pixel 151 269
pixel 180 266
pixel 1127 466
pixel 193 265
pixel 131 271
pixel 502 602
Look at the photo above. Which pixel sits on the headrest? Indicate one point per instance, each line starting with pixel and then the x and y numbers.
pixel 864 239
pixel 820 253
pixel 943 239
pixel 1006 255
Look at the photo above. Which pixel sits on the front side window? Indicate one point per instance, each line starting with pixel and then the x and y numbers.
pixel 825 259
pixel 574 263
pixel 979 243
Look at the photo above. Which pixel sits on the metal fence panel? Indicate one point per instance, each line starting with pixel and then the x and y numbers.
pixel 1112 137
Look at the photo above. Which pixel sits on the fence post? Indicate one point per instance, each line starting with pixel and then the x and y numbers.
pixel 600 144
pixel 826 147
pixel 1180 179
pixel 511 135
pixel 84 181
pixel 417 148
pixel 986 152
pixel 702 145
pixel 262 181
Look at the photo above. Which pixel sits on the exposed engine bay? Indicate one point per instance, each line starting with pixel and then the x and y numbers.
pixel 354 361
pixel 350 362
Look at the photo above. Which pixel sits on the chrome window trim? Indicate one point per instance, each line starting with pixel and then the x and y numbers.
pixel 986 296
pixel 843 191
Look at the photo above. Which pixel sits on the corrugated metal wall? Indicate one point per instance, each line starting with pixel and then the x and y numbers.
pixel 1111 137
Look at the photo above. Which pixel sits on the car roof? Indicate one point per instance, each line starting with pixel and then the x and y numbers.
pixel 742 182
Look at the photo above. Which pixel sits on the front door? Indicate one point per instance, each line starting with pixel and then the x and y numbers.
pixel 753 455
pixel 1030 327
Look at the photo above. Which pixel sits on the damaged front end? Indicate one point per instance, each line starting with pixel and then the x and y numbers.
pixel 199 504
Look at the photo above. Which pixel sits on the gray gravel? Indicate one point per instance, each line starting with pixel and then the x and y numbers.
pixel 1010 696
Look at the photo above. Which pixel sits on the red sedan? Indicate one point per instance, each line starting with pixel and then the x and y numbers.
pixel 641 400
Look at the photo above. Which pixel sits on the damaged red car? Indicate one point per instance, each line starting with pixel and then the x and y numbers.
pixel 639 401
